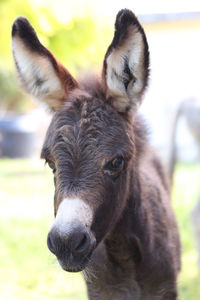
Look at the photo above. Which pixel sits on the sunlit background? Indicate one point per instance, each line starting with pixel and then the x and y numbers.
pixel 78 33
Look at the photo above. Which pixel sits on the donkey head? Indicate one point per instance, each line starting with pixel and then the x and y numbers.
pixel 90 142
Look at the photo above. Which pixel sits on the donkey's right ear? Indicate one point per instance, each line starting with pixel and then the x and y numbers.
pixel 41 74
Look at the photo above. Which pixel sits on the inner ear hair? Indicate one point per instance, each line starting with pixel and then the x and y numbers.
pixel 126 63
pixel 41 75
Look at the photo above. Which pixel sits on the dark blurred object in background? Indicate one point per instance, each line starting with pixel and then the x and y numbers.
pixel 18 137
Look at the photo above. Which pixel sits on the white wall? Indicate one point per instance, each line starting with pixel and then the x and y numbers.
pixel 175 76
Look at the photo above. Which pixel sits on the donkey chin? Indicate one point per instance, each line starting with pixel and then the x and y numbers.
pixel 72 263
pixel 70 237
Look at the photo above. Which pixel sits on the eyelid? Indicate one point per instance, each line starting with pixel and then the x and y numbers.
pixel 48 159
pixel 110 159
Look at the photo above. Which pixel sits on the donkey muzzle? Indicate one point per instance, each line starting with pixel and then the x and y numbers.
pixel 70 238
pixel 72 247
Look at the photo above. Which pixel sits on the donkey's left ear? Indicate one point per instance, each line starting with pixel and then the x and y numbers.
pixel 126 63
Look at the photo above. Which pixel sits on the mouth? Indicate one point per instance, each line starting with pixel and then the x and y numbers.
pixel 74 265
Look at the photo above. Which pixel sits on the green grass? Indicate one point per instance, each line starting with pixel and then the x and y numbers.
pixel 185 194
pixel 28 271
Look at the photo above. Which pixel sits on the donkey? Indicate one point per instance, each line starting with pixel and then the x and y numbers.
pixel 113 216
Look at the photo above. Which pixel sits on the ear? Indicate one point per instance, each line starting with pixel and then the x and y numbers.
pixel 126 63
pixel 41 74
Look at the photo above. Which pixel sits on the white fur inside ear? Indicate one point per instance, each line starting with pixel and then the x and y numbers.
pixel 132 54
pixel 37 73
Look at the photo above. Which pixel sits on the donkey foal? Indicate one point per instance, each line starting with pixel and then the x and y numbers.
pixel 113 216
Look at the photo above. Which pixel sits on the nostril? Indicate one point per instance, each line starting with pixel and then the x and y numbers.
pixel 50 243
pixel 82 244
pixel 77 242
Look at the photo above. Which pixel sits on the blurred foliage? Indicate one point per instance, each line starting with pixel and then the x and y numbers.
pixel 12 98
pixel 79 43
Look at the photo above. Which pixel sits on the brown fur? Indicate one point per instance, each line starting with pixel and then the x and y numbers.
pixel 136 254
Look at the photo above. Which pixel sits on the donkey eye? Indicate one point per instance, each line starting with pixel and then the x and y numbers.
pixel 51 165
pixel 115 165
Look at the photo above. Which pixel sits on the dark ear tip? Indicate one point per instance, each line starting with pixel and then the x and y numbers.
pixel 14 29
pixel 20 25
pixel 125 17
pixel 125 12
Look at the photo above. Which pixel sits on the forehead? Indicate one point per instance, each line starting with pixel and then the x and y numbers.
pixel 86 121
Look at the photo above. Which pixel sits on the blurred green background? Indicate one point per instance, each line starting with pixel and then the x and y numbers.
pixel 78 36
